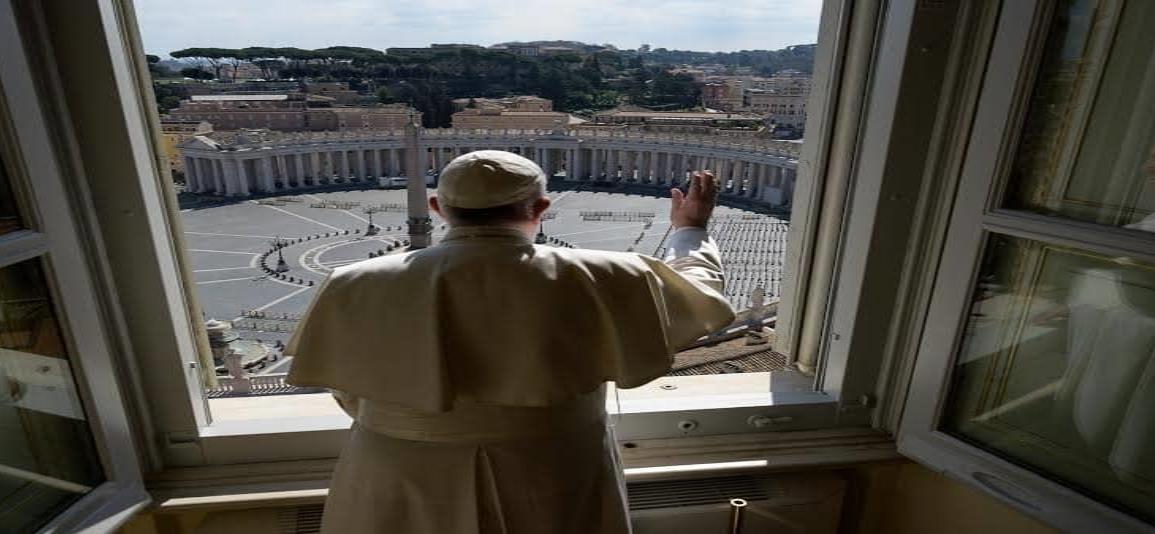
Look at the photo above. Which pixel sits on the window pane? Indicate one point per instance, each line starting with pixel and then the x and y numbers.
pixel 9 215
pixel 1057 368
pixel 1088 147
pixel 47 455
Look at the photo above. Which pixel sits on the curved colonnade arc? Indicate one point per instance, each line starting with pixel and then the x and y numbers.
pixel 240 164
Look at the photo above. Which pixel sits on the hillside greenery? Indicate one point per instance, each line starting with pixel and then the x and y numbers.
pixel 598 78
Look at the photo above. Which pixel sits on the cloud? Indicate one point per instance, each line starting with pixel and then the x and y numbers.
pixel 677 24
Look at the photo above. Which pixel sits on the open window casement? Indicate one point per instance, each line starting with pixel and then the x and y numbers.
pixel 67 456
pixel 1035 378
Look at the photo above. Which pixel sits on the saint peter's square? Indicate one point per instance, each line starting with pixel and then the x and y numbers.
pixel 268 215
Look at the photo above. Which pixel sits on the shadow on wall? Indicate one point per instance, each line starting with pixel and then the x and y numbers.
pixel 907 498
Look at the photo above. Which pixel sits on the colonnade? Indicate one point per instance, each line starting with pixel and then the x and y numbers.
pixel 760 170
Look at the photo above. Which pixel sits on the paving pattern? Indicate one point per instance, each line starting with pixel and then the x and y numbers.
pixel 235 248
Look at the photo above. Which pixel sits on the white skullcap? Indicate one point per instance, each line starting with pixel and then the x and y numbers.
pixel 488 178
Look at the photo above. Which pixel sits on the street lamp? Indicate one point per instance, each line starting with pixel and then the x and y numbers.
pixel 372 229
pixel 282 265
pixel 541 239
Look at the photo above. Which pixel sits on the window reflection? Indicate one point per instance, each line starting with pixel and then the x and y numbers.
pixel 1057 369
pixel 1088 145
pixel 9 215
pixel 47 456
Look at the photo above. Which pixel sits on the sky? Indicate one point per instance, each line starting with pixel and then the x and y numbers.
pixel 704 25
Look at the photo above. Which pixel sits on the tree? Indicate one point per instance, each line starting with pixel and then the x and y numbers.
pixel 155 69
pixel 166 97
pixel 169 102
pixel 214 57
pixel 196 73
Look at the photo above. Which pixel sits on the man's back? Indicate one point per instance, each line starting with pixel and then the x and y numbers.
pixel 475 369
pixel 488 316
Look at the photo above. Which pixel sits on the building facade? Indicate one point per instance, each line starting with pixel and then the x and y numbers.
pixel 682 122
pixel 725 95
pixel 490 118
pixel 512 103
pixel 240 164
pixel 782 110
pixel 292 112
pixel 176 131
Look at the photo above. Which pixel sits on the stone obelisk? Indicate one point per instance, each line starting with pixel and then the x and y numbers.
pixel 420 227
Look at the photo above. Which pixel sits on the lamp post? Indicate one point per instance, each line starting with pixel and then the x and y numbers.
pixel 541 239
pixel 372 229
pixel 282 265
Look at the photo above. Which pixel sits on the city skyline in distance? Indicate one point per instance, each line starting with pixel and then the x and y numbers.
pixel 682 25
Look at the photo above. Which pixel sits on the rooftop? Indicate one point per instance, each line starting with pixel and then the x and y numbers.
pixel 681 115
pixel 231 98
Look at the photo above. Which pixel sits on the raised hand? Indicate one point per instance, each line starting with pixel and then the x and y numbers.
pixel 695 207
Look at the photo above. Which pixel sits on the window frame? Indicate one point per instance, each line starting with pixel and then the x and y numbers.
pixel 861 85
pixel 1007 85
pixel 37 171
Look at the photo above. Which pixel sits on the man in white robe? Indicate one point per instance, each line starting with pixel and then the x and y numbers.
pixel 475 369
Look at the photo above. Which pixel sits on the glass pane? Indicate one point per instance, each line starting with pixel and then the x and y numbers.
pixel 1057 368
pixel 47 455
pixel 1088 147
pixel 9 215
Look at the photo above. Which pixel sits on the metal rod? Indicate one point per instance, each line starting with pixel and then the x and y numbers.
pixel 737 506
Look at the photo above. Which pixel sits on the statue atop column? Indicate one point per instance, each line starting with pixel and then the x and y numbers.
pixel 558 127
pixel 756 333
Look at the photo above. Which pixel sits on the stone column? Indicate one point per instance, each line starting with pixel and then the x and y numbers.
pixel 203 179
pixel 343 169
pixel 194 180
pixel 668 169
pixel 788 184
pixel 774 191
pixel 751 179
pixel 299 164
pixel 578 163
pixel 311 167
pixel 242 177
pixel 190 174
pixel 265 174
pixel 739 177
pixel 760 194
pixel 279 172
pixel 727 168
pixel 229 170
pixel 218 174
pixel 655 173
pixel 323 167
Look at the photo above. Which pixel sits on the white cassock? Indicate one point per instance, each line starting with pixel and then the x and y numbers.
pixel 475 372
